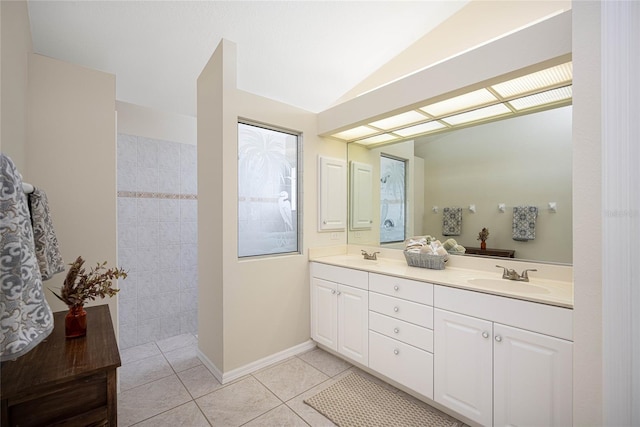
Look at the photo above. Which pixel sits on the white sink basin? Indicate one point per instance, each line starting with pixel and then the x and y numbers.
pixel 508 285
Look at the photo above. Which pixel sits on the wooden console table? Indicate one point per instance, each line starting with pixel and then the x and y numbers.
pixel 69 382
pixel 505 253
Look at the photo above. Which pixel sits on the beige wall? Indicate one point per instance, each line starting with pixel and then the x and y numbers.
pixel 587 221
pixel 211 186
pixel 71 155
pixel 151 123
pixel 524 160
pixel 265 301
pixel 16 46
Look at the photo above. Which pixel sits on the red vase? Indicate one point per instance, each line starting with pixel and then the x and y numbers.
pixel 75 322
pixel 483 245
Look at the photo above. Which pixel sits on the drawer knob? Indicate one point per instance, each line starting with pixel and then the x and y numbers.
pixel 396 309
pixel 498 338
pixel 485 334
pixel 396 287
pixel 396 351
pixel 396 330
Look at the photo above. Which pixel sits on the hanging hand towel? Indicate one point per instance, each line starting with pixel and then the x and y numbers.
pixel 46 242
pixel 451 221
pixel 524 222
pixel 26 318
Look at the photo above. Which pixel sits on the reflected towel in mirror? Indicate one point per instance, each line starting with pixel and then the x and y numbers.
pixel 524 222
pixel 451 221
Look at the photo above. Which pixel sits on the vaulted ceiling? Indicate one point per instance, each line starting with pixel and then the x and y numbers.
pixel 304 53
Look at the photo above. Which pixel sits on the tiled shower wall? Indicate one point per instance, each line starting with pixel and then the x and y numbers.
pixel 157 239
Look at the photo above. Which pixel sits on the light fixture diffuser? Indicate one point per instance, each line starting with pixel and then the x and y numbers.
pixel 460 103
pixel 479 114
pixel 378 139
pixel 542 98
pixel 418 129
pixel 355 133
pixel 399 120
pixel 549 77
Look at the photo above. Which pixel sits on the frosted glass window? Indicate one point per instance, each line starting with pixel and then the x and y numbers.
pixel 392 200
pixel 268 199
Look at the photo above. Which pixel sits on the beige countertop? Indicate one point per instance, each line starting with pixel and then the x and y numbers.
pixel 539 290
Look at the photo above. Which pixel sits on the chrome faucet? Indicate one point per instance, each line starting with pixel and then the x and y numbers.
pixel 371 256
pixel 511 274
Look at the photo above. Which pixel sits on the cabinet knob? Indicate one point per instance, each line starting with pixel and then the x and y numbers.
pixel 339 292
pixel 396 351
pixel 324 222
pixel 395 288
pixel 498 338
pixel 396 309
pixel 333 291
pixel 396 330
pixel 485 334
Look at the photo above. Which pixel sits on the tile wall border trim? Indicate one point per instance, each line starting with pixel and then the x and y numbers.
pixel 151 195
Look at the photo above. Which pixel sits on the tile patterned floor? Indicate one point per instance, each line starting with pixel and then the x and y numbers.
pixel 165 384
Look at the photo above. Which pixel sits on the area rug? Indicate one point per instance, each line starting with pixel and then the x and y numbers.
pixel 355 401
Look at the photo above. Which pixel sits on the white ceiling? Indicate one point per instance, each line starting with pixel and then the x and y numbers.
pixel 303 53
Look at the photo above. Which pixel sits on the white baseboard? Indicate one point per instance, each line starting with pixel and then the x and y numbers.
pixel 234 374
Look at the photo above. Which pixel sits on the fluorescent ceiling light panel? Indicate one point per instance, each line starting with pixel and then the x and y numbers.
pixel 399 120
pixel 479 114
pixel 355 133
pixel 459 103
pixel 385 137
pixel 542 98
pixel 534 82
pixel 418 129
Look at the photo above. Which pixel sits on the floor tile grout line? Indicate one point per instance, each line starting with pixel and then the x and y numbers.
pixel 194 399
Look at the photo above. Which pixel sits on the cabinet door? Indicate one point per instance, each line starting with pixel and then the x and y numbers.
pixel 532 378
pixel 361 196
pixel 353 323
pixel 463 365
pixel 324 312
pixel 332 203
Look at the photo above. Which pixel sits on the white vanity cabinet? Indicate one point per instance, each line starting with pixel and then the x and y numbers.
pixel 401 331
pixel 502 375
pixel 339 310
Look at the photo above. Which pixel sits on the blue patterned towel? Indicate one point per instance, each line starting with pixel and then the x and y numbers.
pixel 46 242
pixel 524 222
pixel 25 318
pixel 451 221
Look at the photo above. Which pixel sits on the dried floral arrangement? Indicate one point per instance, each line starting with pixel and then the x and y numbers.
pixel 483 235
pixel 80 286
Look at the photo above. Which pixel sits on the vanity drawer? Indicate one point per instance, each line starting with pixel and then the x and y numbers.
pixel 400 330
pixel 401 362
pixel 348 276
pixel 419 314
pixel 402 288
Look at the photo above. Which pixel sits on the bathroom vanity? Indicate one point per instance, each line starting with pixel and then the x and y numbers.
pixel 495 351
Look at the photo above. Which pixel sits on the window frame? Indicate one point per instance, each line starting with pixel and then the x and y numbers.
pixel 297 178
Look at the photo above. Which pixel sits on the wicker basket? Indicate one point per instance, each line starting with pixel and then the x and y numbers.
pixel 434 262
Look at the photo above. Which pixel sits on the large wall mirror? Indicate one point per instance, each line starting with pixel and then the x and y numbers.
pixel 487 170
